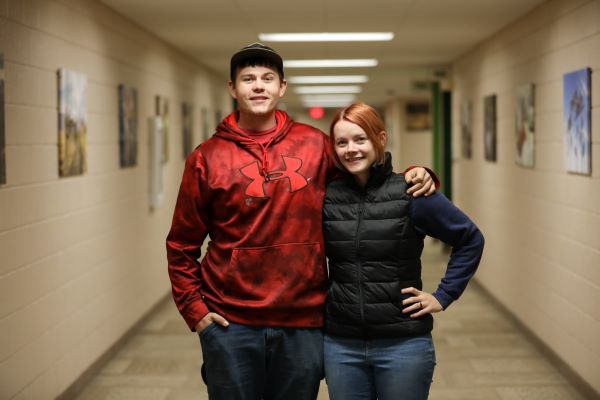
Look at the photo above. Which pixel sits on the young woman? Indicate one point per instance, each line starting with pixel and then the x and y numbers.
pixel 378 321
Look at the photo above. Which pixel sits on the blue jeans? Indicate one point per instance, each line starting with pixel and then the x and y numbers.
pixel 250 363
pixel 384 369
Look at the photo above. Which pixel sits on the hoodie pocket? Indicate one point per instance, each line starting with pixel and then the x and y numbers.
pixel 275 275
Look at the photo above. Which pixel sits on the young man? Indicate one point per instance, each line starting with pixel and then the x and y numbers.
pixel 256 188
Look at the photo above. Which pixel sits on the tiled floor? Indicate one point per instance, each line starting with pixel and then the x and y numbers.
pixel 480 353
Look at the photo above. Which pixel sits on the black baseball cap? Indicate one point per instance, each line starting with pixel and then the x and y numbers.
pixel 256 51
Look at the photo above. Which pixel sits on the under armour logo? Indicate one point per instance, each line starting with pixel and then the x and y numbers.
pixel 292 166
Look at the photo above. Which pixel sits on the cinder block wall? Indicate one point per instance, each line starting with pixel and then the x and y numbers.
pixel 82 258
pixel 542 225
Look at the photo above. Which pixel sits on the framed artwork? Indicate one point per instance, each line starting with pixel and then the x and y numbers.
pixel 155 164
pixel 489 127
pixel 218 117
pixel 187 124
pixel 204 116
pixel 162 111
pixel 577 118
pixel 525 125
pixel 128 125
pixel 466 129
pixel 418 117
pixel 2 142
pixel 72 123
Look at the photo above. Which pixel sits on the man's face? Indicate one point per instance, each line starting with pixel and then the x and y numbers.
pixel 257 90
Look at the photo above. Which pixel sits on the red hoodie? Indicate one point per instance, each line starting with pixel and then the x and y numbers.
pixel 261 206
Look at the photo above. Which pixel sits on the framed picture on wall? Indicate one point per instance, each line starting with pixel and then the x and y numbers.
pixel 162 111
pixel 128 125
pixel 72 123
pixel 204 118
pixel 489 127
pixel 187 124
pixel 577 126
pixel 466 128
pixel 525 125
pixel 218 117
pixel 2 143
pixel 155 161
pixel 418 116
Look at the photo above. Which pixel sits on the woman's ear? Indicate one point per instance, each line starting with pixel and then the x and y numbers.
pixel 383 138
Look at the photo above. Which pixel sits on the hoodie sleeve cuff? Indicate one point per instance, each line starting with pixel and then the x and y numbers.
pixel 444 299
pixel 194 314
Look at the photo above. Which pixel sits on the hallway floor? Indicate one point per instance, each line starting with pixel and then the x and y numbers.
pixel 481 355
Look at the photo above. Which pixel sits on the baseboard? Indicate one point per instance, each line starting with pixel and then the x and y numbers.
pixel 86 376
pixel 584 388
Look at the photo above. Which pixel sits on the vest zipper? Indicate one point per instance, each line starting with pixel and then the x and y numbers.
pixel 361 208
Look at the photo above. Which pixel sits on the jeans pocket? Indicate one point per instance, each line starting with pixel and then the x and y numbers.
pixel 206 331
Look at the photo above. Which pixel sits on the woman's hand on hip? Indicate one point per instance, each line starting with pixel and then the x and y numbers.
pixel 420 303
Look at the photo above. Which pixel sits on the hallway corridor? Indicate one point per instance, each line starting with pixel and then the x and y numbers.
pixel 481 355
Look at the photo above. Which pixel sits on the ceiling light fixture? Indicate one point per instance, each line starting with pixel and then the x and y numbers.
pixel 367 62
pixel 327 89
pixel 327 37
pixel 320 79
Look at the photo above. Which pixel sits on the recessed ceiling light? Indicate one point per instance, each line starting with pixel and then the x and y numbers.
pixel 303 80
pixel 326 37
pixel 367 62
pixel 327 89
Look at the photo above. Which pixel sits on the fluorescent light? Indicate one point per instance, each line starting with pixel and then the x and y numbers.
pixel 367 62
pixel 303 80
pixel 327 89
pixel 327 37
pixel 327 104
pixel 328 98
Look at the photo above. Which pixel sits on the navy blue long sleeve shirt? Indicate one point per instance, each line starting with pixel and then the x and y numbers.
pixel 437 217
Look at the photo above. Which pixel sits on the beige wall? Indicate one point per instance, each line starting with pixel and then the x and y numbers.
pixel 542 225
pixel 407 148
pixel 81 258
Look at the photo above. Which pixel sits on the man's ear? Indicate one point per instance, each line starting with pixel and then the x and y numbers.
pixel 232 91
pixel 282 87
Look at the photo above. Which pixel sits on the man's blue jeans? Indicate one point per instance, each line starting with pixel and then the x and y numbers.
pixel 249 363
pixel 383 369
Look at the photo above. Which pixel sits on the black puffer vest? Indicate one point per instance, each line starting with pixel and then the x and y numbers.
pixel 374 252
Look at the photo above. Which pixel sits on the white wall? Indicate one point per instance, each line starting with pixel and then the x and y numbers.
pixel 82 258
pixel 542 225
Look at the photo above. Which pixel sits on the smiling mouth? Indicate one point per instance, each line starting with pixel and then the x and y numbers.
pixel 351 160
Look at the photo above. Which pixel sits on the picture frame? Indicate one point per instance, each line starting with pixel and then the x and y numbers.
pixel 466 129
pixel 128 126
pixel 155 161
pixel 525 125
pixel 187 124
pixel 162 111
pixel 72 123
pixel 577 121
pixel 417 116
pixel 2 125
pixel 489 127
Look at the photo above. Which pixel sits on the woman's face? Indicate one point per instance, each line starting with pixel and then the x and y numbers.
pixel 354 149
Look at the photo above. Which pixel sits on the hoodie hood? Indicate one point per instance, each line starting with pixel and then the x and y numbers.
pixel 228 129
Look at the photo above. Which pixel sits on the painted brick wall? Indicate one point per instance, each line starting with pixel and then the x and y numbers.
pixel 82 258
pixel 542 225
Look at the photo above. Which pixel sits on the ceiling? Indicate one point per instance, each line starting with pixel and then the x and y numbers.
pixel 429 34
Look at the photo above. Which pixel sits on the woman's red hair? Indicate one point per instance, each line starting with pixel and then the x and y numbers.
pixel 369 120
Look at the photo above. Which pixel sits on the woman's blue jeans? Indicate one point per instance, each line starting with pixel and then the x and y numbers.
pixel 252 363
pixel 384 369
